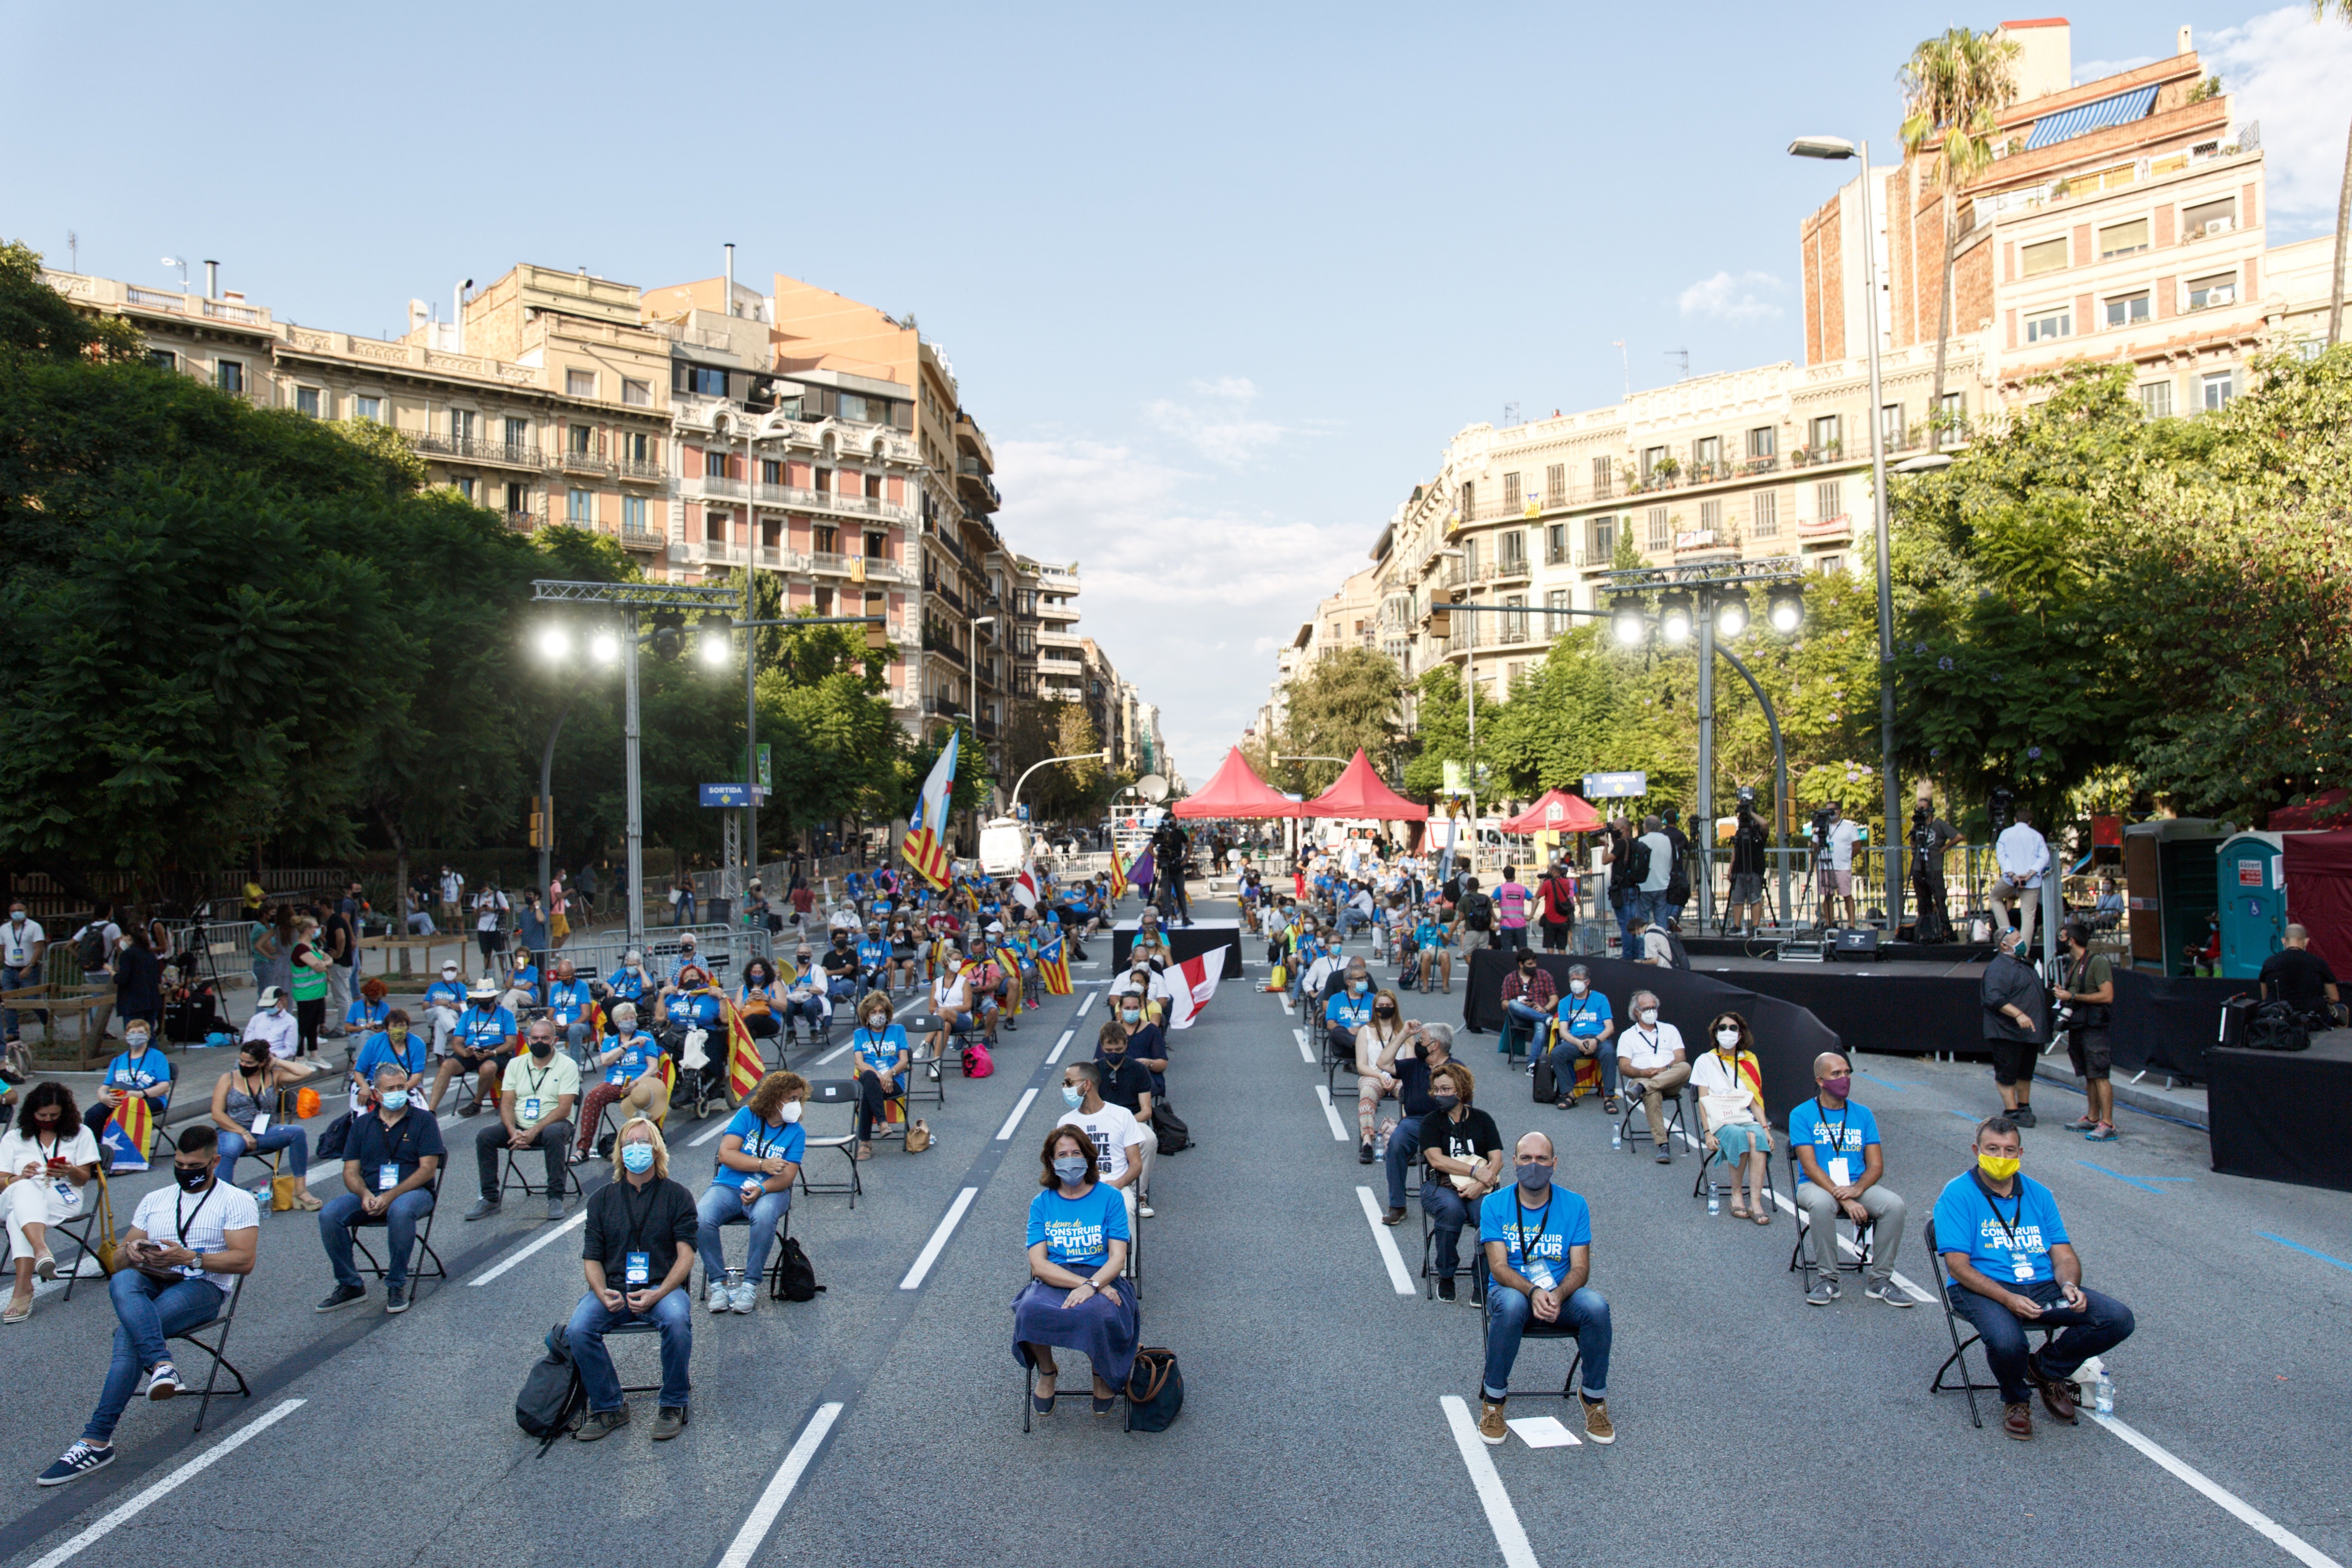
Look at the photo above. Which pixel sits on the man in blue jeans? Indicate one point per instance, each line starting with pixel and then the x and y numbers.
pixel 391 1159
pixel 186 1245
pixel 2012 1267
pixel 638 1256
pixel 1538 1243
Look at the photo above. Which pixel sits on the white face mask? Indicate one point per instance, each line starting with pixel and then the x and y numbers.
pixel 1727 1038
pixel 1578 986
pixel 1649 1017
pixel 792 1110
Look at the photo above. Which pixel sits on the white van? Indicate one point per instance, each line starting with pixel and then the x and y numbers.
pixel 1004 847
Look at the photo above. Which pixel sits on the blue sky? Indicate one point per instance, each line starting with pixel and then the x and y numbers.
pixel 1219 281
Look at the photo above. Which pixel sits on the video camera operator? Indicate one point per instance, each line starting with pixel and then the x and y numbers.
pixel 1930 836
pixel 1747 836
pixel 1833 841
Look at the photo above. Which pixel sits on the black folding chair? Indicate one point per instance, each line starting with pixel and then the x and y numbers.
pixel 1634 1123
pixel 1336 1059
pixel 82 1230
pixel 1710 1158
pixel 926 1076
pixel 1537 1328
pixel 216 1347
pixel 770 1278
pixel 1029 1371
pixel 640 1326
pixel 1961 1347
pixel 513 1174
pixel 1429 1273
pixel 844 1093
pixel 1801 1257
pixel 418 1270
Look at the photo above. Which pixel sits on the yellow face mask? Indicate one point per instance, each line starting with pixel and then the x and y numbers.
pixel 1999 1167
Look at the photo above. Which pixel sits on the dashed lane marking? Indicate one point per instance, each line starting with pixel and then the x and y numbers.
pixel 1399 1275
pixel 122 1514
pixel 1331 1113
pixel 779 1489
pixel 1501 1517
pixel 931 1248
pixel 1021 1110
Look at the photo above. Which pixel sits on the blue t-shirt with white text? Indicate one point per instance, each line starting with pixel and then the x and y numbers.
pixel 761 1141
pixel 1536 1241
pixel 1843 1133
pixel 1585 1017
pixel 2008 1239
pixel 1077 1232
pixel 1346 1012
pixel 638 1052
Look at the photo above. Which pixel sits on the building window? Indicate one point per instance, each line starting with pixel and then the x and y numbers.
pixel 1651 457
pixel 2123 239
pixel 1511 492
pixel 714 465
pixel 1661 535
pixel 716 527
pixel 1555 600
pixel 853 406
pixel 2050 255
pixel 1602 484
pixel 1828 433
pixel 2155 399
pixel 1762 442
pixel 584 439
pixel 1556 544
pixel 306 401
pixel 633 514
pixel 228 375
pixel 518 432
pixel 1710 516
pixel 579 384
pixel 1556 484
pixel 1705 453
pixel 2211 217
pixel 464 488
pixel 1767 524
pixel 2220 388
pixel 518 499
pixel 2221 289
pixel 636 393
pixel 162 359
pixel 461 424
pixel 1513 547
pixel 1955 406
pixel 368 408
pixel 701 380
pixel 2125 310
pixel 1833 565
pixel 826 539
pixel 1890 426
pixel 771 471
pixel 1829 502
pixel 1470 559
pixel 2048 325
pixel 580 508
pixel 1604 540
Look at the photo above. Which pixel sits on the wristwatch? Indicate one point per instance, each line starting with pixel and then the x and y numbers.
pixel 200 1261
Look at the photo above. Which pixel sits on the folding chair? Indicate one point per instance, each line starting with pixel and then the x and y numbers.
pixel 842 1092
pixel 418 1270
pixel 1634 1123
pixel 83 1229
pixel 1961 1347
pixel 1336 1062
pixel 1801 1257
pixel 1536 1330
pixel 1710 1158
pixel 770 1276
pixel 926 1076
pixel 216 1348
pixel 1029 1372
pixel 641 1326
pixel 512 1174
pixel 1517 1041
pixel 1430 1275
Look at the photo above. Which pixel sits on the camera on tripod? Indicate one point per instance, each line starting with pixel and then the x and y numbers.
pixel 1821 820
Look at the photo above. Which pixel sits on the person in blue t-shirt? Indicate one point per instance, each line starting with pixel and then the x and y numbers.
pixel 883 1056
pixel 140 1069
pixel 2012 1265
pixel 365 1015
pixel 1538 1243
pixel 630 982
pixel 631 1063
pixel 758 1159
pixel 444 1000
pixel 1348 1010
pixel 569 999
pixel 1432 959
pixel 1840 1167
pixel 1077 1242
pixel 874 958
pixel 482 1044
pixel 393 1046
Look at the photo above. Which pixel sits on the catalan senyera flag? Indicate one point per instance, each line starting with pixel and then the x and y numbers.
pixel 1118 878
pixel 1053 968
pixel 925 846
pixel 1008 959
pixel 745 1065
pixel 130 1132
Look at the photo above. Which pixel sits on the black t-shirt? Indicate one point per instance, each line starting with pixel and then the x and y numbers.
pixel 1471 1140
pixel 1148 1041
pixel 340 924
pixel 2297 976
pixel 622 1219
pixel 1748 847
pixel 840 961
pixel 1126 1084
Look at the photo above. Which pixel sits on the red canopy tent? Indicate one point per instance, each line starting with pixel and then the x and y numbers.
pixel 1236 791
pixel 1360 792
pixel 1557 812
pixel 2324 810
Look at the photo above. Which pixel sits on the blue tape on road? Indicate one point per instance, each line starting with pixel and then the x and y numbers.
pixel 2308 1252
pixel 2144 1184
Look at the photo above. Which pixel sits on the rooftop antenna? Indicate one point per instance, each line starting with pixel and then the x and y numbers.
pixel 1683 354
pixel 1620 346
pixel 73 248
pixel 1510 414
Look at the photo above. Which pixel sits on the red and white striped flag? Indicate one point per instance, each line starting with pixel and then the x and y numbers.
pixel 1194 980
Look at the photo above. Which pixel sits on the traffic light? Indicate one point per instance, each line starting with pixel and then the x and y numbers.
pixel 538 822
pixel 877 631
pixel 1440 621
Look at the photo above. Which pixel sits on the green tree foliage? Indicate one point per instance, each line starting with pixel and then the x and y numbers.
pixel 1348 699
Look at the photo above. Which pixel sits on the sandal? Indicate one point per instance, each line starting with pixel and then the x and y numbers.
pixel 19 1309
pixel 1738 1213
pixel 305 1199
pixel 1762 1216
pixel 865 1150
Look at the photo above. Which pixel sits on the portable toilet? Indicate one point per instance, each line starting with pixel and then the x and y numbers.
pixel 2169 866
pixel 2251 870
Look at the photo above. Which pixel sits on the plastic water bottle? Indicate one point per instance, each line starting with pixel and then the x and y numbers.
pixel 1616 1135
pixel 1714 1199
pixel 2103 1394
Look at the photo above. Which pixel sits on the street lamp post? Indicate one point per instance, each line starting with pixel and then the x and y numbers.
pixel 1834 148
pixel 1102 756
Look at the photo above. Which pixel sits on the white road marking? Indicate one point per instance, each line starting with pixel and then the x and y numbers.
pixel 1019 1111
pixel 1331 1113
pixel 1286 1008
pixel 715 1130
pixel 125 1513
pixel 1059 1047
pixel 834 1052
pixel 1501 1517
pixel 779 1489
pixel 1084 1006
pixel 931 1248
pixel 2261 1524
pixel 1304 1054
pixel 1399 1275
pixel 545 1239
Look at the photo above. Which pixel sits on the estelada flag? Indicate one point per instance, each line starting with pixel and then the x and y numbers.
pixel 128 1133
pixel 1053 969
pixel 925 846
pixel 1194 980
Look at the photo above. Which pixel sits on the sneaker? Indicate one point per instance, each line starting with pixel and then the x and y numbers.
pixel 742 1298
pixel 1146 1211
pixel 2104 1132
pixel 1824 1292
pixel 2082 1124
pixel 719 1298
pixel 164 1382
pixel 2022 1116
pixel 341 1296
pixel 554 1208
pixel 1598 1427
pixel 1363 1154
pixel 1394 1216
pixel 1445 1289
pixel 1888 1291
pixel 602 1424
pixel 1664 1158
pixel 75 1463
pixel 1491 1427
pixel 395 1298
pixel 483 1208
pixel 669 1423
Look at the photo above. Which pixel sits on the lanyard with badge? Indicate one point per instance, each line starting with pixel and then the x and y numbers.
pixel 530 1101
pixel 387 1174
pixel 181 1222
pixel 2021 1263
pixel 638 1264
pixel 65 1189
pixel 1841 1171
pixel 1535 1268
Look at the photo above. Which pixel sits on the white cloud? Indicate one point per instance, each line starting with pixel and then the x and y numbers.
pixel 1215 422
pixel 2288 71
pixel 1733 296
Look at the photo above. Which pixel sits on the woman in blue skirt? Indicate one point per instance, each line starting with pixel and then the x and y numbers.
pixel 1078 1251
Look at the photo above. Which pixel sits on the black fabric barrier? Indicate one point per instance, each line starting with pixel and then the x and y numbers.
pixel 1187 942
pixel 2277 1115
pixel 1788 1037
pixel 2169 1025
pixel 1877 1010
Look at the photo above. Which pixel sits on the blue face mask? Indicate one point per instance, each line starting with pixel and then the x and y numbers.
pixel 395 1100
pixel 1073 1097
pixel 637 1157
pixel 1072 1169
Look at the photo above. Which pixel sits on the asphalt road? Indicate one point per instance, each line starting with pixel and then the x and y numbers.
pixel 883 1421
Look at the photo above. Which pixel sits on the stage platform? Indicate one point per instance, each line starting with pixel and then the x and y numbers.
pixel 1766 949
pixel 2274 1113
pixel 1187 942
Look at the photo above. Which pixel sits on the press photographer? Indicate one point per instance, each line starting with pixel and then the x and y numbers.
pixel 1747 836
pixel 1930 836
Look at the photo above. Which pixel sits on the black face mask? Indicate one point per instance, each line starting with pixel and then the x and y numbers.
pixel 192 1181
pixel 542 1049
pixel 1445 1101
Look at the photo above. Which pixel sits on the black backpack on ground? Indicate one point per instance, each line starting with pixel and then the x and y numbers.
pixel 2278 1026
pixel 553 1398
pixel 795 1275
pixel 1174 1136
pixel 1155 1391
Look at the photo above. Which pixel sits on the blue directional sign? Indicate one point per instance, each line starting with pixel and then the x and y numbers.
pixel 726 795
pixel 1608 787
